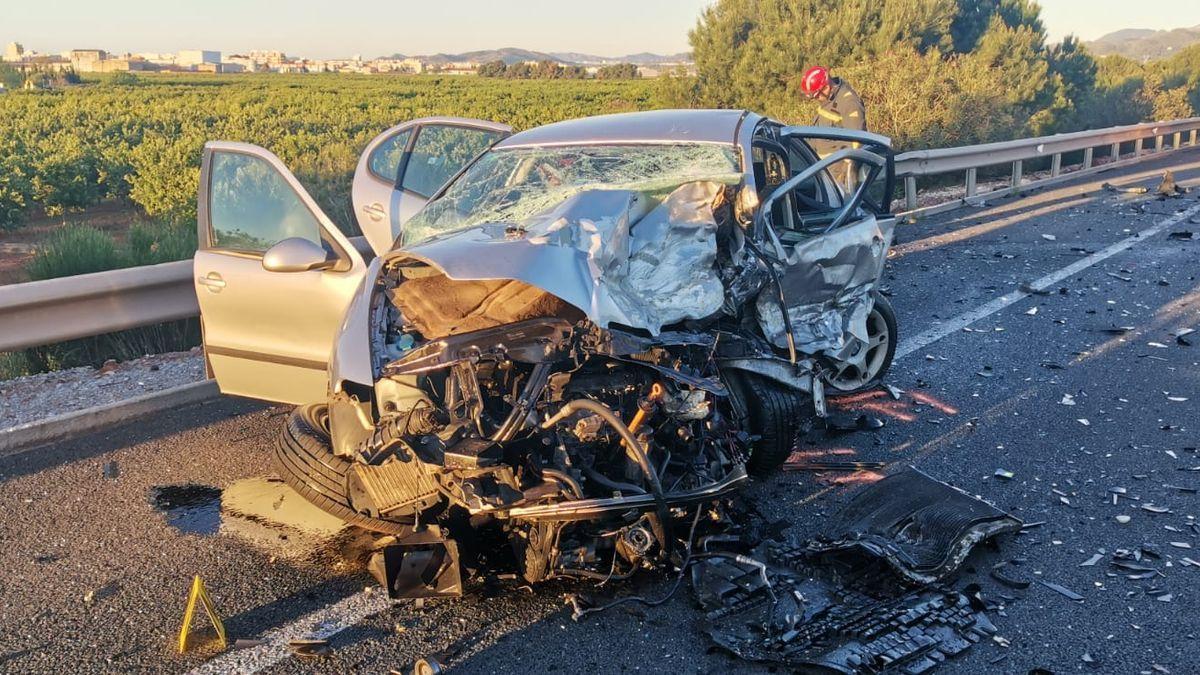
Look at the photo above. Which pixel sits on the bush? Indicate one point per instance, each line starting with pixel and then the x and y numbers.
pixel 154 243
pixel 124 79
pixel 82 250
pixel 13 364
pixel 74 250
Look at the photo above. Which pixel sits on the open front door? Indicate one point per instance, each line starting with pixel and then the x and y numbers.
pixel 274 277
pixel 404 166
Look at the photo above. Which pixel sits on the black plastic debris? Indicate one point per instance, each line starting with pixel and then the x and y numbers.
pixel 1182 235
pixel 422 565
pixel 923 527
pixel 868 620
pixel 870 595
pixel 1062 590
pixel 843 424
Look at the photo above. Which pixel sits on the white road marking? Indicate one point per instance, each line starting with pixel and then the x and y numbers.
pixel 321 624
pixel 951 326
pixel 329 621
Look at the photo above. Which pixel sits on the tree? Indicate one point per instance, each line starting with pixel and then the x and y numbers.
pixel 1017 56
pixel 1076 70
pixel 547 70
pixel 518 71
pixel 617 71
pixel 10 77
pixel 492 68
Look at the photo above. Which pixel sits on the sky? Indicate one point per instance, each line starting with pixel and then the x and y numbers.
pixel 329 28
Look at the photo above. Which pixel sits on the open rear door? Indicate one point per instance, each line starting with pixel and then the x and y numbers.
pixel 826 230
pixel 274 277
pixel 404 166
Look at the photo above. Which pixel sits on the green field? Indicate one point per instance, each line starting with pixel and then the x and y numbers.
pixel 67 149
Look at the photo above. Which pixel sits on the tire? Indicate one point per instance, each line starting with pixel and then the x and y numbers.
pixel 307 464
pixel 776 415
pixel 882 320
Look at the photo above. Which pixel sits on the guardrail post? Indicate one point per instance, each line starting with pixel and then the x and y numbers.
pixel 1088 157
pixel 1056 166
pixel 1018 170
pixel 1192 140
pixel 1158 143
pixel 1115 153
pixel 910 192
pixel 972 187
pixel 1175 141
pixel 1137 147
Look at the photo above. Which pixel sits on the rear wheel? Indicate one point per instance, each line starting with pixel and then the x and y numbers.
pixel 306 461
pixel 880 350
pixel 776 414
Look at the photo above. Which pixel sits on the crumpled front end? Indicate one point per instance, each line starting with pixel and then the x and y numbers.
pixel 576 384
pixel 619 256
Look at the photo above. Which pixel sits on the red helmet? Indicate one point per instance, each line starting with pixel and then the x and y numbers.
pixel 815 79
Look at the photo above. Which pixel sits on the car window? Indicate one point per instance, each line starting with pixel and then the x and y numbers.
pixel 252 207
pixel 384 161
pixel 817 195
pixel 438 154
pixel 520 186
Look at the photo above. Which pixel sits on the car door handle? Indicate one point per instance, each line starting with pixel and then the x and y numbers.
pixel 374 211
pixel 213 281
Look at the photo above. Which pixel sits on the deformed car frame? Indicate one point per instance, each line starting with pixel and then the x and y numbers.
pixel 588 329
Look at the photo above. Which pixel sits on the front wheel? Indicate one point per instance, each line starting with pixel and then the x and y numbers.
pixel 880 350
pixel 777 415
pixel 305 459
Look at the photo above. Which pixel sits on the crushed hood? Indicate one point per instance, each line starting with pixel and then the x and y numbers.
pixel 614 254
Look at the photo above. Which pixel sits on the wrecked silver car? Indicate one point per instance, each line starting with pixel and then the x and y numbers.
pixel 592 327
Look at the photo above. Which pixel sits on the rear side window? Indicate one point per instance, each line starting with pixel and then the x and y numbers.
pixel 439 153
pixel 252 207
pixel 384 161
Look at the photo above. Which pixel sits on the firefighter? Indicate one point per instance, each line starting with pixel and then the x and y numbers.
pixel 838 104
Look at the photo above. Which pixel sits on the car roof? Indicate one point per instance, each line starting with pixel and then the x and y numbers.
pixel 655 126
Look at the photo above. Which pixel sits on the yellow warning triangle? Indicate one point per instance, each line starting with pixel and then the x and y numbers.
pixel 199 593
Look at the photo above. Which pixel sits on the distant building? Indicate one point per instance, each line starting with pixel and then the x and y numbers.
pixel 158 59
pixel 191 58
pixel 86 60
pixel 14 51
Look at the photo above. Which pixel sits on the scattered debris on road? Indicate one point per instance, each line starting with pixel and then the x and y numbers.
pixel 870 594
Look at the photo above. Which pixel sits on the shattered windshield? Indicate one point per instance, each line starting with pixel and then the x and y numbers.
pixel 514 186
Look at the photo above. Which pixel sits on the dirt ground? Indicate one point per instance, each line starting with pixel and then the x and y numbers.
pixel 17 246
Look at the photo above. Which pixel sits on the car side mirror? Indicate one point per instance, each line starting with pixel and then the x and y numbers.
pixel 296 254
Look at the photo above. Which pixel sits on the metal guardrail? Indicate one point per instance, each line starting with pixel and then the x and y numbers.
pixel 45 312
pixel 971 158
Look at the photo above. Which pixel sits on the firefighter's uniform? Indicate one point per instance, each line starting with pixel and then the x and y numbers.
pixel 843 109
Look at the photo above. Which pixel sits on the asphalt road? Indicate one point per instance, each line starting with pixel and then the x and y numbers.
pixel 95 579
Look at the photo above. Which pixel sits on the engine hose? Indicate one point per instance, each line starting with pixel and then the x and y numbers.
pixel 566 480
pixel 609 483
pixel 632 447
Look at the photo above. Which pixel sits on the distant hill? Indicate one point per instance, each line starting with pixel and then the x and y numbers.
pixel 1141 44
pixel 514 55
pixel 641 58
